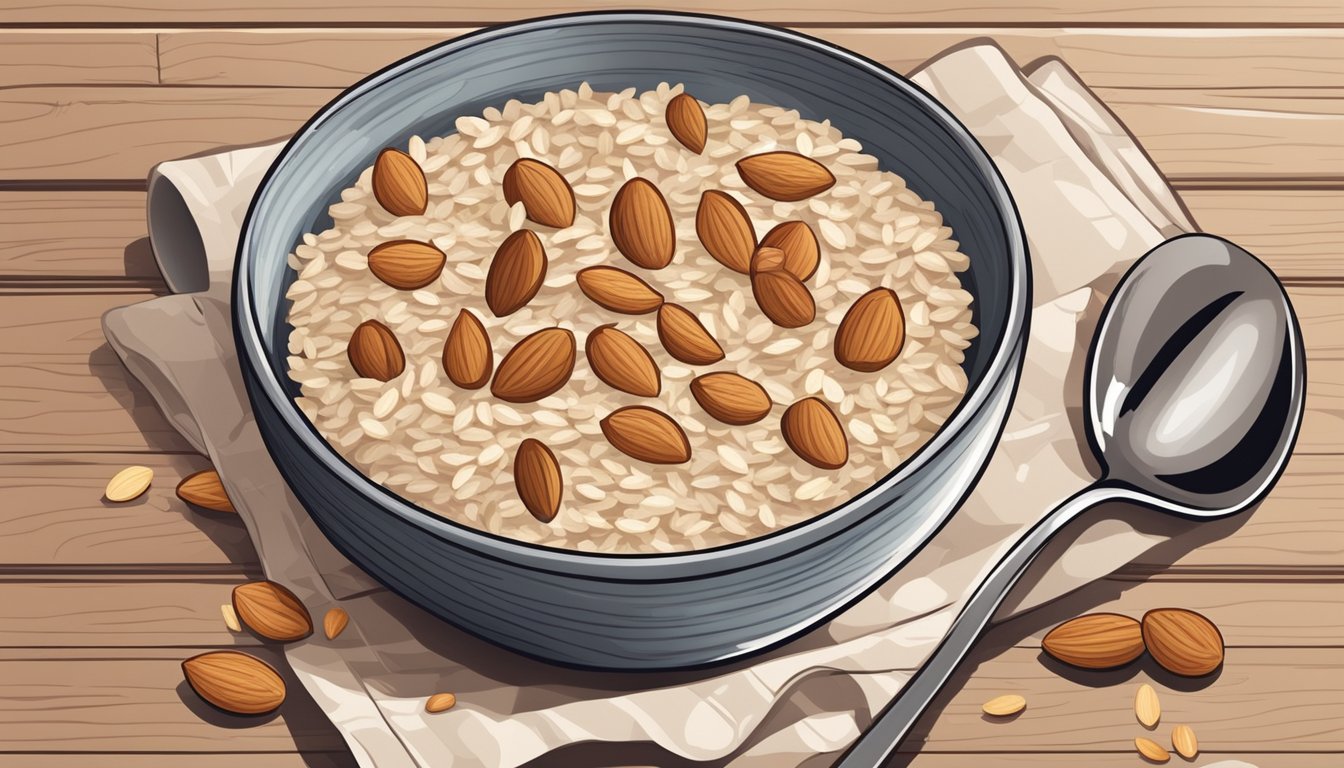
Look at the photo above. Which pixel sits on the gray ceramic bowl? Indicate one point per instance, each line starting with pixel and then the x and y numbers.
pixel 636 611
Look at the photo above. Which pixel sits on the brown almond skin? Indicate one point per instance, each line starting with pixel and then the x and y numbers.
pixel 1095 641
pixel 516 273
pixel 537 366
pixel 406 265
pixel 204 489
pixel 375 352
pixel 783 298
pixel 767 259
pixel 646 434
pixel 731 398
pixel 536 477
pixel 545 194
pixel 618 290
pixel 802 251
pixel 467 357
pixel 440 702
pixel 641 225
pixel 724 228
pixel 812 430
pixel 235 682
pixel 786 176
pixel 685 338
pixel 622 362
pixel 1183 642
pixel 872 332
pixel 334 622
pixel 272 611
pixel 686 121
pixel 399 185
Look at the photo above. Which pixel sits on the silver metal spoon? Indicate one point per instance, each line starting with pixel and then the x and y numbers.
pixel 1195 389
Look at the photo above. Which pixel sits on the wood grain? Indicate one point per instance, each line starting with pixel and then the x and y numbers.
pixel 1115 759
pixel 1297 232
pixel 75 234
pixel 60 56
pixel 310 758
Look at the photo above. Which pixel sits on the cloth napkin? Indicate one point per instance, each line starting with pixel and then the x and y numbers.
pixel 1092 203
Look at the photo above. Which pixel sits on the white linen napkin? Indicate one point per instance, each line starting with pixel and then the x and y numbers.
pixel 1091 202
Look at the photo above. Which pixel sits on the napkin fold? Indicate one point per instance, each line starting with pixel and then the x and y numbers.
pixel 1091 201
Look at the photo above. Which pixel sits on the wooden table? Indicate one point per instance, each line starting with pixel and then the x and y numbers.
pixel 1238 101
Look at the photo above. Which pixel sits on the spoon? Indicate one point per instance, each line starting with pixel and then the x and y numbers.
pixel 1194 396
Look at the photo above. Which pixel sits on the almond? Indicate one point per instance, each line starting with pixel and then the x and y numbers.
pixel 235 682
pixel 467 356
pixel 1183 642
pixel 406 264
pixel 686 121
pixel 204 489
pixel 375 353
pixel 545 194
pixel 272 611
pixel 399 184
pixel 621 362
pixel 536 367
pixel 230 617
pixel 440 702
pixel 647 435
pixel 536 476
pixel 641 225
pixel 1152 750
pixel 685 338
pixel 618 290
pixel 129 483
pixel 515 273
pixel 786 176
pixel 1095 641
pixel 1146 706
pixel 731 398
pixel 1184 742
pixel 872 332
pixel 783 298
pixel 814 433
pixel 724 228
pixel 1003 706
pixel 767 259
pixel 334 622
pixel 802 253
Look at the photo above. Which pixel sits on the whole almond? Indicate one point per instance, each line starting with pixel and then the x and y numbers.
pixel 686 121
pixel 1151 750
pixel 1003 706
pixel 406 264
pixel 783 298
pixel 272 611
pixel 467 356
pixel 1146 706
pixel 685 338
pixel 872 332
pixel 1183 642
pixel 516 273
pixel 204 489
pixel 398 184
pixel 440 702
pixel 1095 641
pixel 731 398
pixel 802 252
pixel 334 622
pixel 814 433
pixel 786 176
pixel 1184 742
pixel 235 682
pixel 725 230
pixel 536 367
pixel 618 290
pixel 536 477
pixel 545 194
pixel 641 225
pixel 129 483
pixel 647 435
pixel 767 259
pixel 621 362
pixel 375 352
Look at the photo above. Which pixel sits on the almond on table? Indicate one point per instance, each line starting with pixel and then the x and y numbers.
pixel 235 682
pixel 129 483
pixel 204 489
pixel 272 611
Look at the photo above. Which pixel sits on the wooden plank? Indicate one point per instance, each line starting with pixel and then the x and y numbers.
pixel 1279 699
pixel 85 234
pixel 307 759
pixel 119 132
pixel 1118 759
pixel 476 12
pixel 53 518
pixel 64 56
pixel 1114 57
pixel 137 701
pixel 1297 232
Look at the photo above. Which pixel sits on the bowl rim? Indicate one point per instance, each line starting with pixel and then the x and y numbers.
pixel 657 566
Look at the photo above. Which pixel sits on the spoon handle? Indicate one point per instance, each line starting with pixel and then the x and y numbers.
pixel 879 743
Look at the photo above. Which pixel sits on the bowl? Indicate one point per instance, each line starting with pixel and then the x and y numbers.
pixel 613 611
